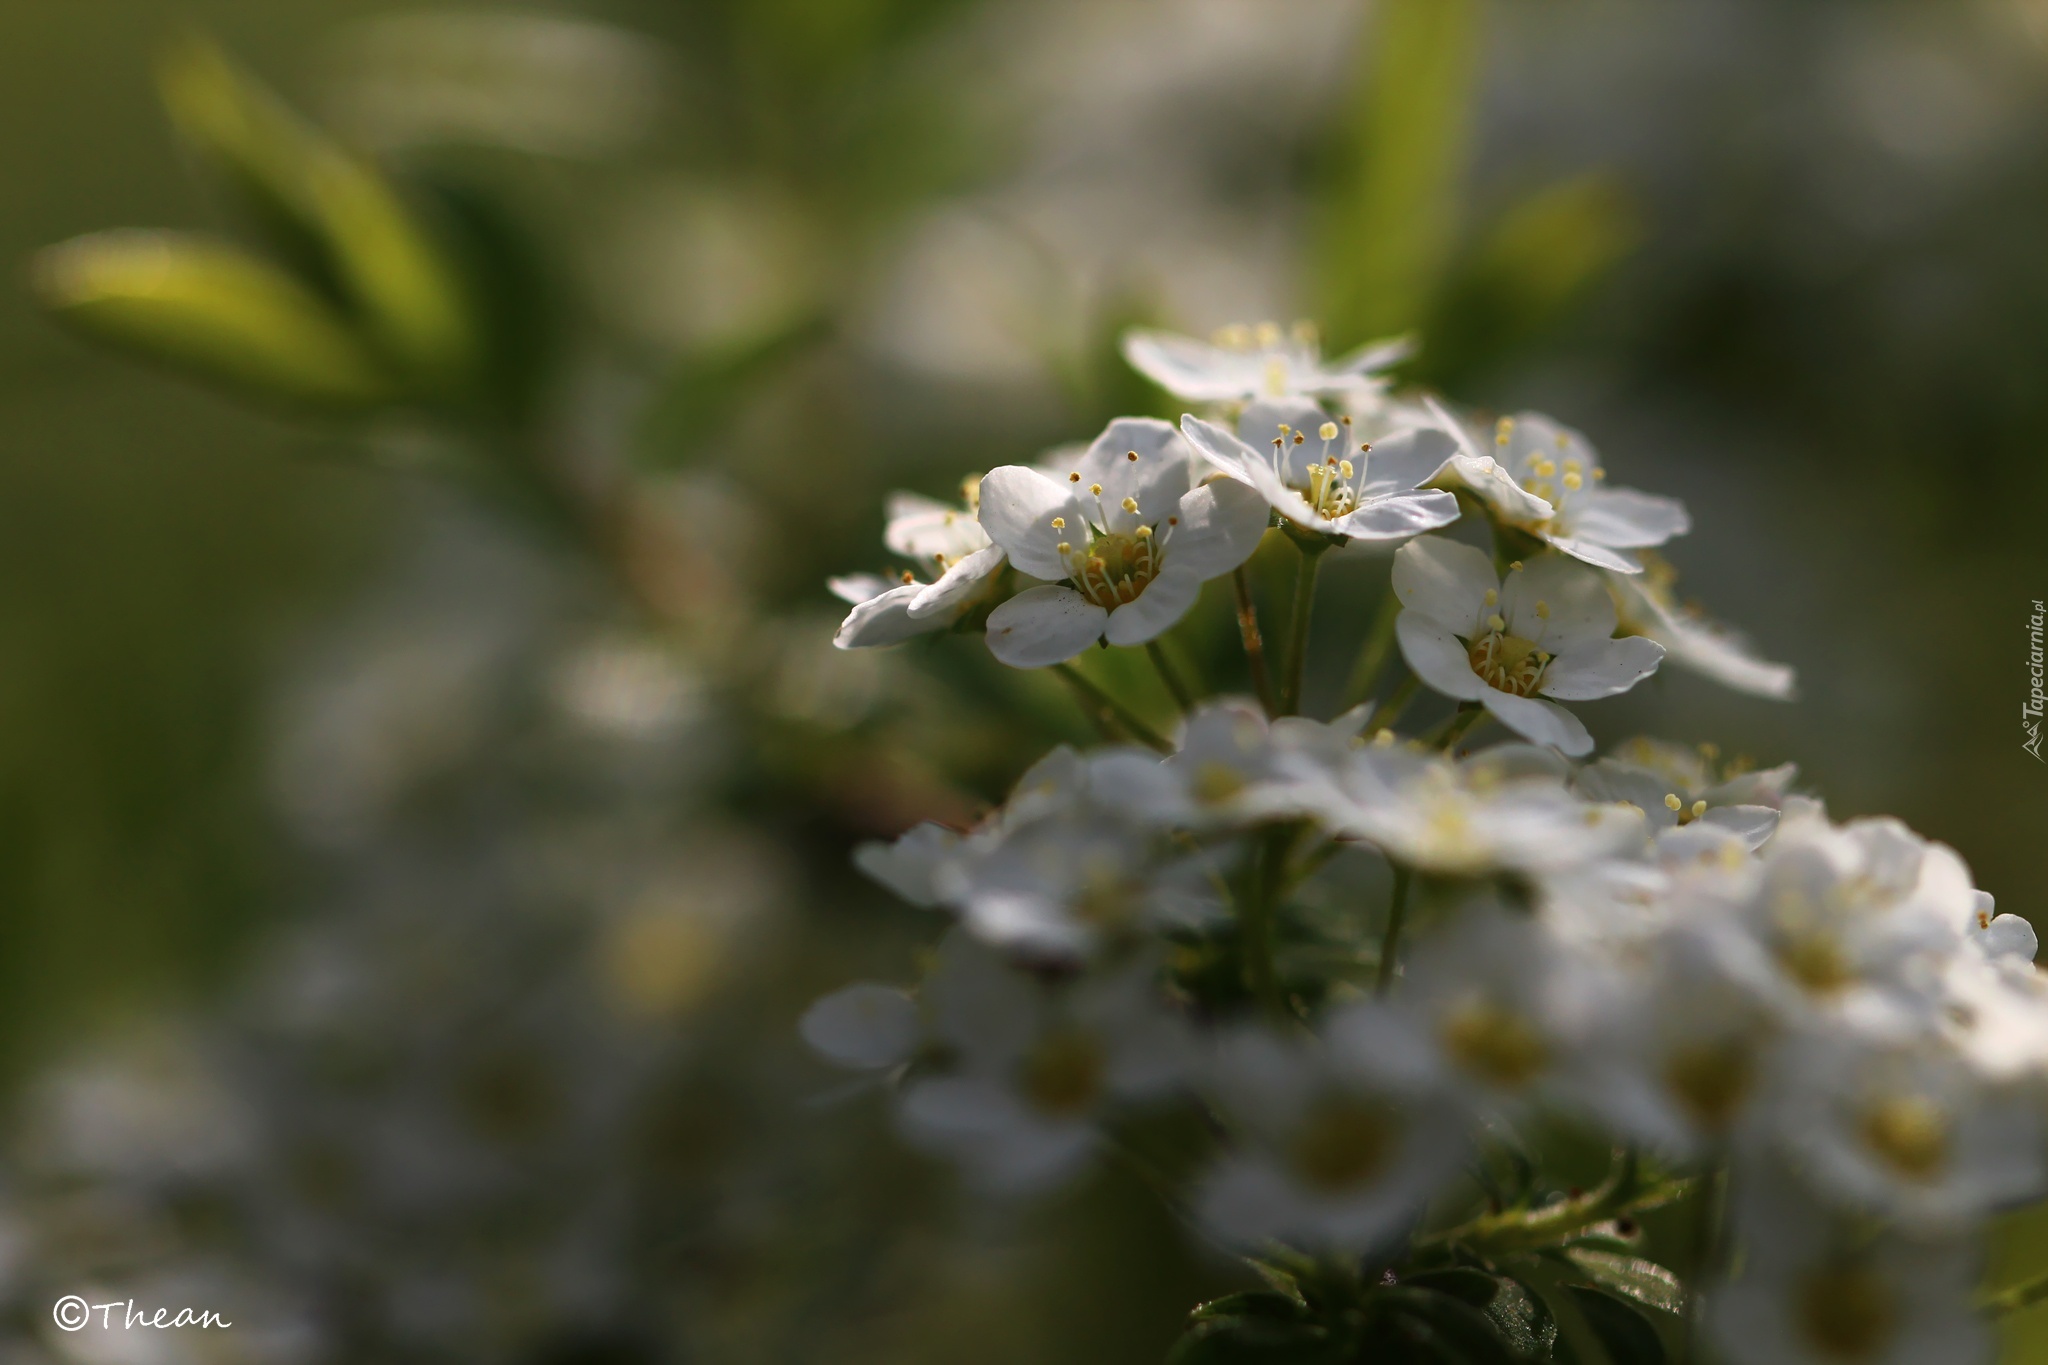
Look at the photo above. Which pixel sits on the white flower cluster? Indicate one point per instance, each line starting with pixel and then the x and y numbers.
pixel 1820 1027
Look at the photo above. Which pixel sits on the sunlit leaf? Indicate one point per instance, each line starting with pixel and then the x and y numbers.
pixel 212 311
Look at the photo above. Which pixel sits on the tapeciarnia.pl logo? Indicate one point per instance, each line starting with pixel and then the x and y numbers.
pixel 2030 714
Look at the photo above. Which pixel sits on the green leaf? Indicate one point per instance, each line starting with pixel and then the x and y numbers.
pixel 1437 1326
pixel 331 216
pixel 1390 209
pixel 1628 1337
pixel 1262 1304
pixel 1632 1277
pixel 214 312
pixel 1252 1341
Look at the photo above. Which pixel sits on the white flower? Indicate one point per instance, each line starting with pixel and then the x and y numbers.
pixel 1995 1013
pixel 1062 885
pixel 1344 1138
pixel 909 865
pixel 1675 786
pixel 1815 1290
pixel 1232 767
pixel 1315 472
pixel 1245 362
pixel 1905 1130
pixel 1857 918
pixel 1687 1051
pixel 1506 1008
pixel 1037 1065
pixel 1128 532
pixel 1582 516
pixel 1648 608
pixel 1476 818
pixel 1547 631
pixel 2001 935
pixel 947 541
pixel 864 1027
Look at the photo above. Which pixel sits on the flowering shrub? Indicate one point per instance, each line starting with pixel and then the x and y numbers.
pixel 1350 998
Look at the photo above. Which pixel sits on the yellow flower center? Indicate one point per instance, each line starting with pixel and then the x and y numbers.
pixel 1116 568
pixel 1509 662
pixel 1845 1313
pixel 1910 1132
pixel 1712 1080
pixel 1494 1043
pixel 1816 960
pixel 1347 1142
pixel 1216 782
pixel 1064 1074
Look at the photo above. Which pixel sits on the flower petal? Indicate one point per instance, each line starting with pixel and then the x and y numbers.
pixel 1399 516
pixel 1601 670
pixel 1164 601
pixel 1044 625
pixel 1575 609
pixel 1445 580
pixel 1542 721
pixel 1233 457
pixel 1753 823
pixel 920 528
pixel 1154 481
pixel 863 1027
pixel 883 620
pixel 1373 356
pixel 1406 459
pixel 1188 368
pixel 1261 423
pixel 857 588
pixel 957 585
pixel 1221 524
pixel 1627 519
pixel 1437 657
pixel 1018 506
pixel 1594 553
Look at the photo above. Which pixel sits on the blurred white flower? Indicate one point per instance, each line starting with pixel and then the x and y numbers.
pixel 1902 1129
pixel 1245 362
pixel 1036 1066
pixel 1486 815
pixel 947 542
pixel 1816 1290
pixel 1342 1138
pixel 1547 630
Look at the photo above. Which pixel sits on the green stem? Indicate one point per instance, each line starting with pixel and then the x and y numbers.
pixel 1261 913
pixel 2025 1294
pixel 1109 707
pixel 1181 697
pixel 1297 625
pixel 1374 653
pixel 1254 643
pixel 1390 944
pixel 1710 1210
pixel 1390 710
pixel 1446 736
pixel 1524 1230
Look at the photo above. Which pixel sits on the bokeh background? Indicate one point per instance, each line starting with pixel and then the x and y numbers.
pixel 405 904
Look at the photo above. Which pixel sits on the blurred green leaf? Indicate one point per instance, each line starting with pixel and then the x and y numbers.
pixel 213 311
pixel 1537 261
pixel 1626 1335
pixel 707 386
pixel 328 213
pixel 1390 207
